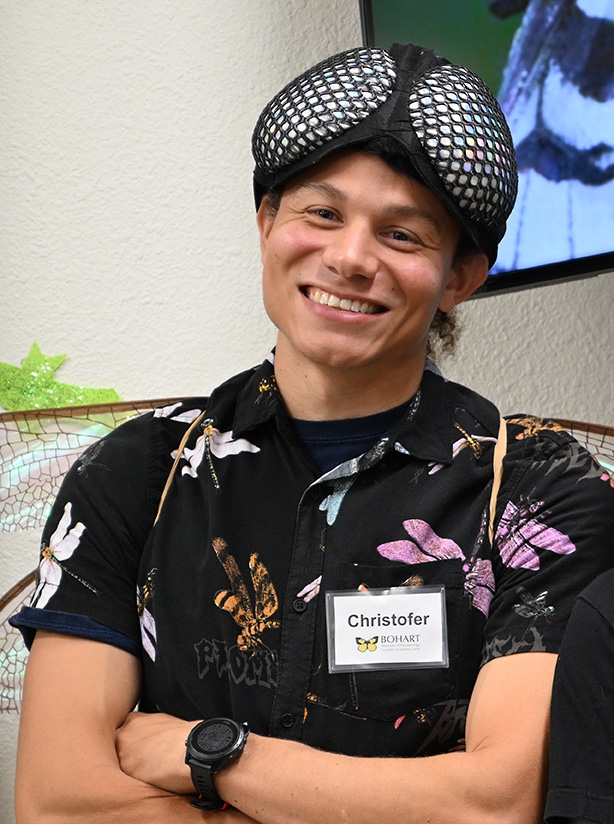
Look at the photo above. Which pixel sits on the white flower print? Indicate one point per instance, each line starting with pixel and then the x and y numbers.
pixel 166 411
pixel 457 448
pixel 147 622
pixel 188 416
pixel 148 633
pixel 220 444
pixel 62 544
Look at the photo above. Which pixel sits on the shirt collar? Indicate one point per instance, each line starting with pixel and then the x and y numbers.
pixel 426 433
pixel 259 400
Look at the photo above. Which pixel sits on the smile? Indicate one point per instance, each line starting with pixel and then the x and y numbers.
pixel 358 306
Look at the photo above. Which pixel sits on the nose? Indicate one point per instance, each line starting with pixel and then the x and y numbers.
pixel 351 251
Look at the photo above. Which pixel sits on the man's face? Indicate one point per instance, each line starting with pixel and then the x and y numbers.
pixel 356 261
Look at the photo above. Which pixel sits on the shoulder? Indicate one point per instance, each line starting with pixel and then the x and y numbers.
pixel 544 447
pixel 463 405
pixel 600 595
pixel 535 433
pixel 150 435
pixel 128 466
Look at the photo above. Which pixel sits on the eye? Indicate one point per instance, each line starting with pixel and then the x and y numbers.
pixel 322 213
pixel 403 237
pixel 400 236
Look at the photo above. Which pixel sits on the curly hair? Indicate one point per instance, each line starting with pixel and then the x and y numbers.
pixel 443 335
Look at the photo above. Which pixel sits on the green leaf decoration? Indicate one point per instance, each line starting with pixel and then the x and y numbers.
pixel 33 385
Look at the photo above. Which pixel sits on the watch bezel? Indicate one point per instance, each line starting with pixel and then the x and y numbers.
pixel 239 735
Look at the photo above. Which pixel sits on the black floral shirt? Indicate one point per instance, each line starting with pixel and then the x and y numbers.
pixel 223 598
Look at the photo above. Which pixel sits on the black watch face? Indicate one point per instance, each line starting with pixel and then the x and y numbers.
pixel 215 738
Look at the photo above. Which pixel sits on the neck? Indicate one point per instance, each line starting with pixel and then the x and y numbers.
pixel 317 392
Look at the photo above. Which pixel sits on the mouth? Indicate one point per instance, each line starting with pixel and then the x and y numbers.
pixel 361 307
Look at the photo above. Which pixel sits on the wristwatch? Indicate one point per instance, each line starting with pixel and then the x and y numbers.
pixel 210 746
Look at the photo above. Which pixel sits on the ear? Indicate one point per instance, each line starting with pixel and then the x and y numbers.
pixel 265 217
pixel 466 275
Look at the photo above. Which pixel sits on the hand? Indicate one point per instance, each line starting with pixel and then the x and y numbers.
pixel 151 748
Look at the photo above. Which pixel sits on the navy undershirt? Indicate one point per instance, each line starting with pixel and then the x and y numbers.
pixel 330 443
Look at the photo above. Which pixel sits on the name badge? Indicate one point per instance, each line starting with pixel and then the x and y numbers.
pixel 398 628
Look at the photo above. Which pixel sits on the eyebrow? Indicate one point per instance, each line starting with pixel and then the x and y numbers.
pixel 325 188
pixel 399 210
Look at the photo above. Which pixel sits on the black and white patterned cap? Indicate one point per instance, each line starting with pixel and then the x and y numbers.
pixel 444 116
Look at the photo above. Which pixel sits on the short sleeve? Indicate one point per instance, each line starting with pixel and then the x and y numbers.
pixel 554 535
pixel 582 725
pixel 93 540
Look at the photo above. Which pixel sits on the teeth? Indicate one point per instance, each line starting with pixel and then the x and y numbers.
pixel 348 305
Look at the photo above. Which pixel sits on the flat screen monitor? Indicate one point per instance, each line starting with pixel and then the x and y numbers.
pixel 551 65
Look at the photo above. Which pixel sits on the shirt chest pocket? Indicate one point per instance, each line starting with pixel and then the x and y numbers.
pixel 388 694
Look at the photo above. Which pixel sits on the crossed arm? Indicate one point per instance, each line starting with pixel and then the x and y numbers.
pixel 85 757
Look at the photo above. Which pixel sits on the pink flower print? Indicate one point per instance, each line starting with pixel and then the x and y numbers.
pixel 606 477
pixel 311 590
pixel 520 534
pixel 480 584
pixel 424 545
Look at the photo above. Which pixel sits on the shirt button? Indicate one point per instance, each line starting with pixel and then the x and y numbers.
pixel 299 605
pixel 287 720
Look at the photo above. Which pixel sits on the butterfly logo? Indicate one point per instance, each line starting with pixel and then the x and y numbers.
pixel 365 645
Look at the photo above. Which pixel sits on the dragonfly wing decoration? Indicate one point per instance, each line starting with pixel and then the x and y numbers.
pixel 37 448
pixel 599 440
pixel 13 652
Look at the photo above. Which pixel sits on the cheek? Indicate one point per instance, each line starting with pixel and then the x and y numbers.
pixel 421 285
pixel 268 300
pixel 286 254
pixel 275 285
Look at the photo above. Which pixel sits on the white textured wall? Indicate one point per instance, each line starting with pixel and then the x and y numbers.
pixel 547 351
pixel 128 238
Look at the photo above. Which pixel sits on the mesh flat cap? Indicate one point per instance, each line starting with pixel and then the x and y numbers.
pixel 444 117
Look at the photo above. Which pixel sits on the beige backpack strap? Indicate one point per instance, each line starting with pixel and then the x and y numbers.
pixel 497 464
pixel 180 449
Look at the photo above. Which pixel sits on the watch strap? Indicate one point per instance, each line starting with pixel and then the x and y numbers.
pixel 208 799
pixel 205 763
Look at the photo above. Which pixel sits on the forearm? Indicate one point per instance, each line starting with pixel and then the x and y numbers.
pixel 115 809
pixel 499 779
pixel 91 793
pixel 283 782
pixel 76 694
pixel 280 782
pixel 109 799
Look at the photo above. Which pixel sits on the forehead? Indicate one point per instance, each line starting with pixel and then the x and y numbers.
pixel 367 179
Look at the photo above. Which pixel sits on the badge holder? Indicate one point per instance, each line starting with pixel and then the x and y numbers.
pixel 383 629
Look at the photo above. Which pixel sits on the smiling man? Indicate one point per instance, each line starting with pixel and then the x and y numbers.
pixel 357 259
pixel 332 591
